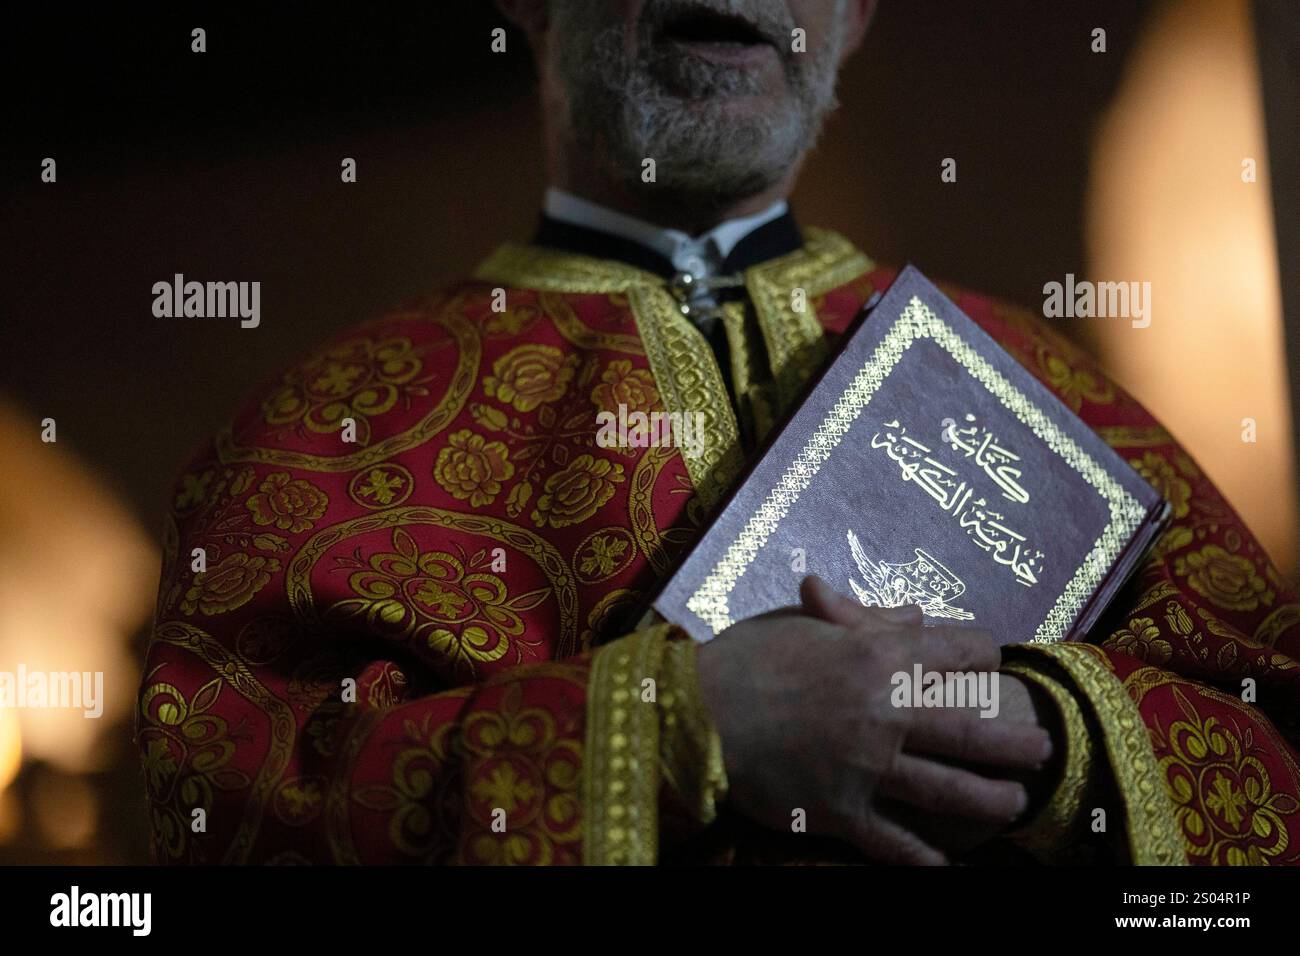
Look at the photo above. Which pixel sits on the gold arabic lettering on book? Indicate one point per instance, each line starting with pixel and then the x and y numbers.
pixel 974 515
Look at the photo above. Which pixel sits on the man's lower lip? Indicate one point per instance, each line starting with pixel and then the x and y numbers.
pixel 739 54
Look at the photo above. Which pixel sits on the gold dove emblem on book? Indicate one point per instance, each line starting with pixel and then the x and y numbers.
pixel 924 582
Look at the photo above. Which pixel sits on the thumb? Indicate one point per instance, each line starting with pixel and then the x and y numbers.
pixel 822 601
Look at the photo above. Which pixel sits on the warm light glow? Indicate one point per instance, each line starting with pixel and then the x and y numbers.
pixel 76 579
pixel 1168 205
pixel 11 748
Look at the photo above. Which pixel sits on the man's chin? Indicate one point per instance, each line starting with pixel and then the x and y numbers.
pixel 723 147
pixel 740 111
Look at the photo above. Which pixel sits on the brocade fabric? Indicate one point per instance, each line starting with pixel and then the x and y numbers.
pixel 416 647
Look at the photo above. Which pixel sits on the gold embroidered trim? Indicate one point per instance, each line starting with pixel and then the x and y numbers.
pixel 620 780
pixel 553 270
pixel 1153 835
pixel 918 321
pixel 1056 823
pixel 690 383
pixel 795 340
pixel 690 748
pixel 733 321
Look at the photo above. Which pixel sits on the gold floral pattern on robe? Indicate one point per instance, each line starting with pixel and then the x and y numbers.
pixel 360 378
pixel 473 468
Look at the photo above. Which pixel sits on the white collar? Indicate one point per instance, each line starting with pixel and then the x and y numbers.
pixel 673 244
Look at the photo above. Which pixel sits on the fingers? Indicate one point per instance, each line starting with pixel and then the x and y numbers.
pixel 938 646
pixel 961 734
pixel 794 611
pixel 885 841
pixel 946 648
pixel 949 791
pixel 820 600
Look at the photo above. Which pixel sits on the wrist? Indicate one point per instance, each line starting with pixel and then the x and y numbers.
pixel 690 746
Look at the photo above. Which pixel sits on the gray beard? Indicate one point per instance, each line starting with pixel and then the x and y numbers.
pixel 673 109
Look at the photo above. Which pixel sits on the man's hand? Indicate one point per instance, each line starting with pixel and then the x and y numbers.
pixel 1018 703
pixel 802 704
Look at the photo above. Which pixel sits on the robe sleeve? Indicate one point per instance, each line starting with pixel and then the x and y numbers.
pixel 1185 699
pixel 582 760
pixel 271 733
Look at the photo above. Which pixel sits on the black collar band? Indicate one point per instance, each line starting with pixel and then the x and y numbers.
pixel 777 237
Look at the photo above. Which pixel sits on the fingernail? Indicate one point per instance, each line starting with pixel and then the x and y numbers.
pixel 1046 748
pixel 1022 801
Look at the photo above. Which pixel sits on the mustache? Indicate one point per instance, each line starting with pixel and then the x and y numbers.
pixel 771 19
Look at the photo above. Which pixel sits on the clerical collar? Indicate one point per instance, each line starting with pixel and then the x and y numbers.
pixel 579 225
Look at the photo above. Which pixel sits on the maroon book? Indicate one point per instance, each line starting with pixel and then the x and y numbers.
pixel 926 467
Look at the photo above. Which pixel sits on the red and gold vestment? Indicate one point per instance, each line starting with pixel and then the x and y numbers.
pixel 417 647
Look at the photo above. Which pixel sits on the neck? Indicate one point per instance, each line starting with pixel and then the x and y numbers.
pixel 673 216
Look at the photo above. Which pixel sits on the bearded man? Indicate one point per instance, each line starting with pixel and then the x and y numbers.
pixel 397 621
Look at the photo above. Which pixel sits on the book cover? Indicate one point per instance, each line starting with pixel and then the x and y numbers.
pixel 926 467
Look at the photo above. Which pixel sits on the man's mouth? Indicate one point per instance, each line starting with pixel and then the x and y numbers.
pixel 720 31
